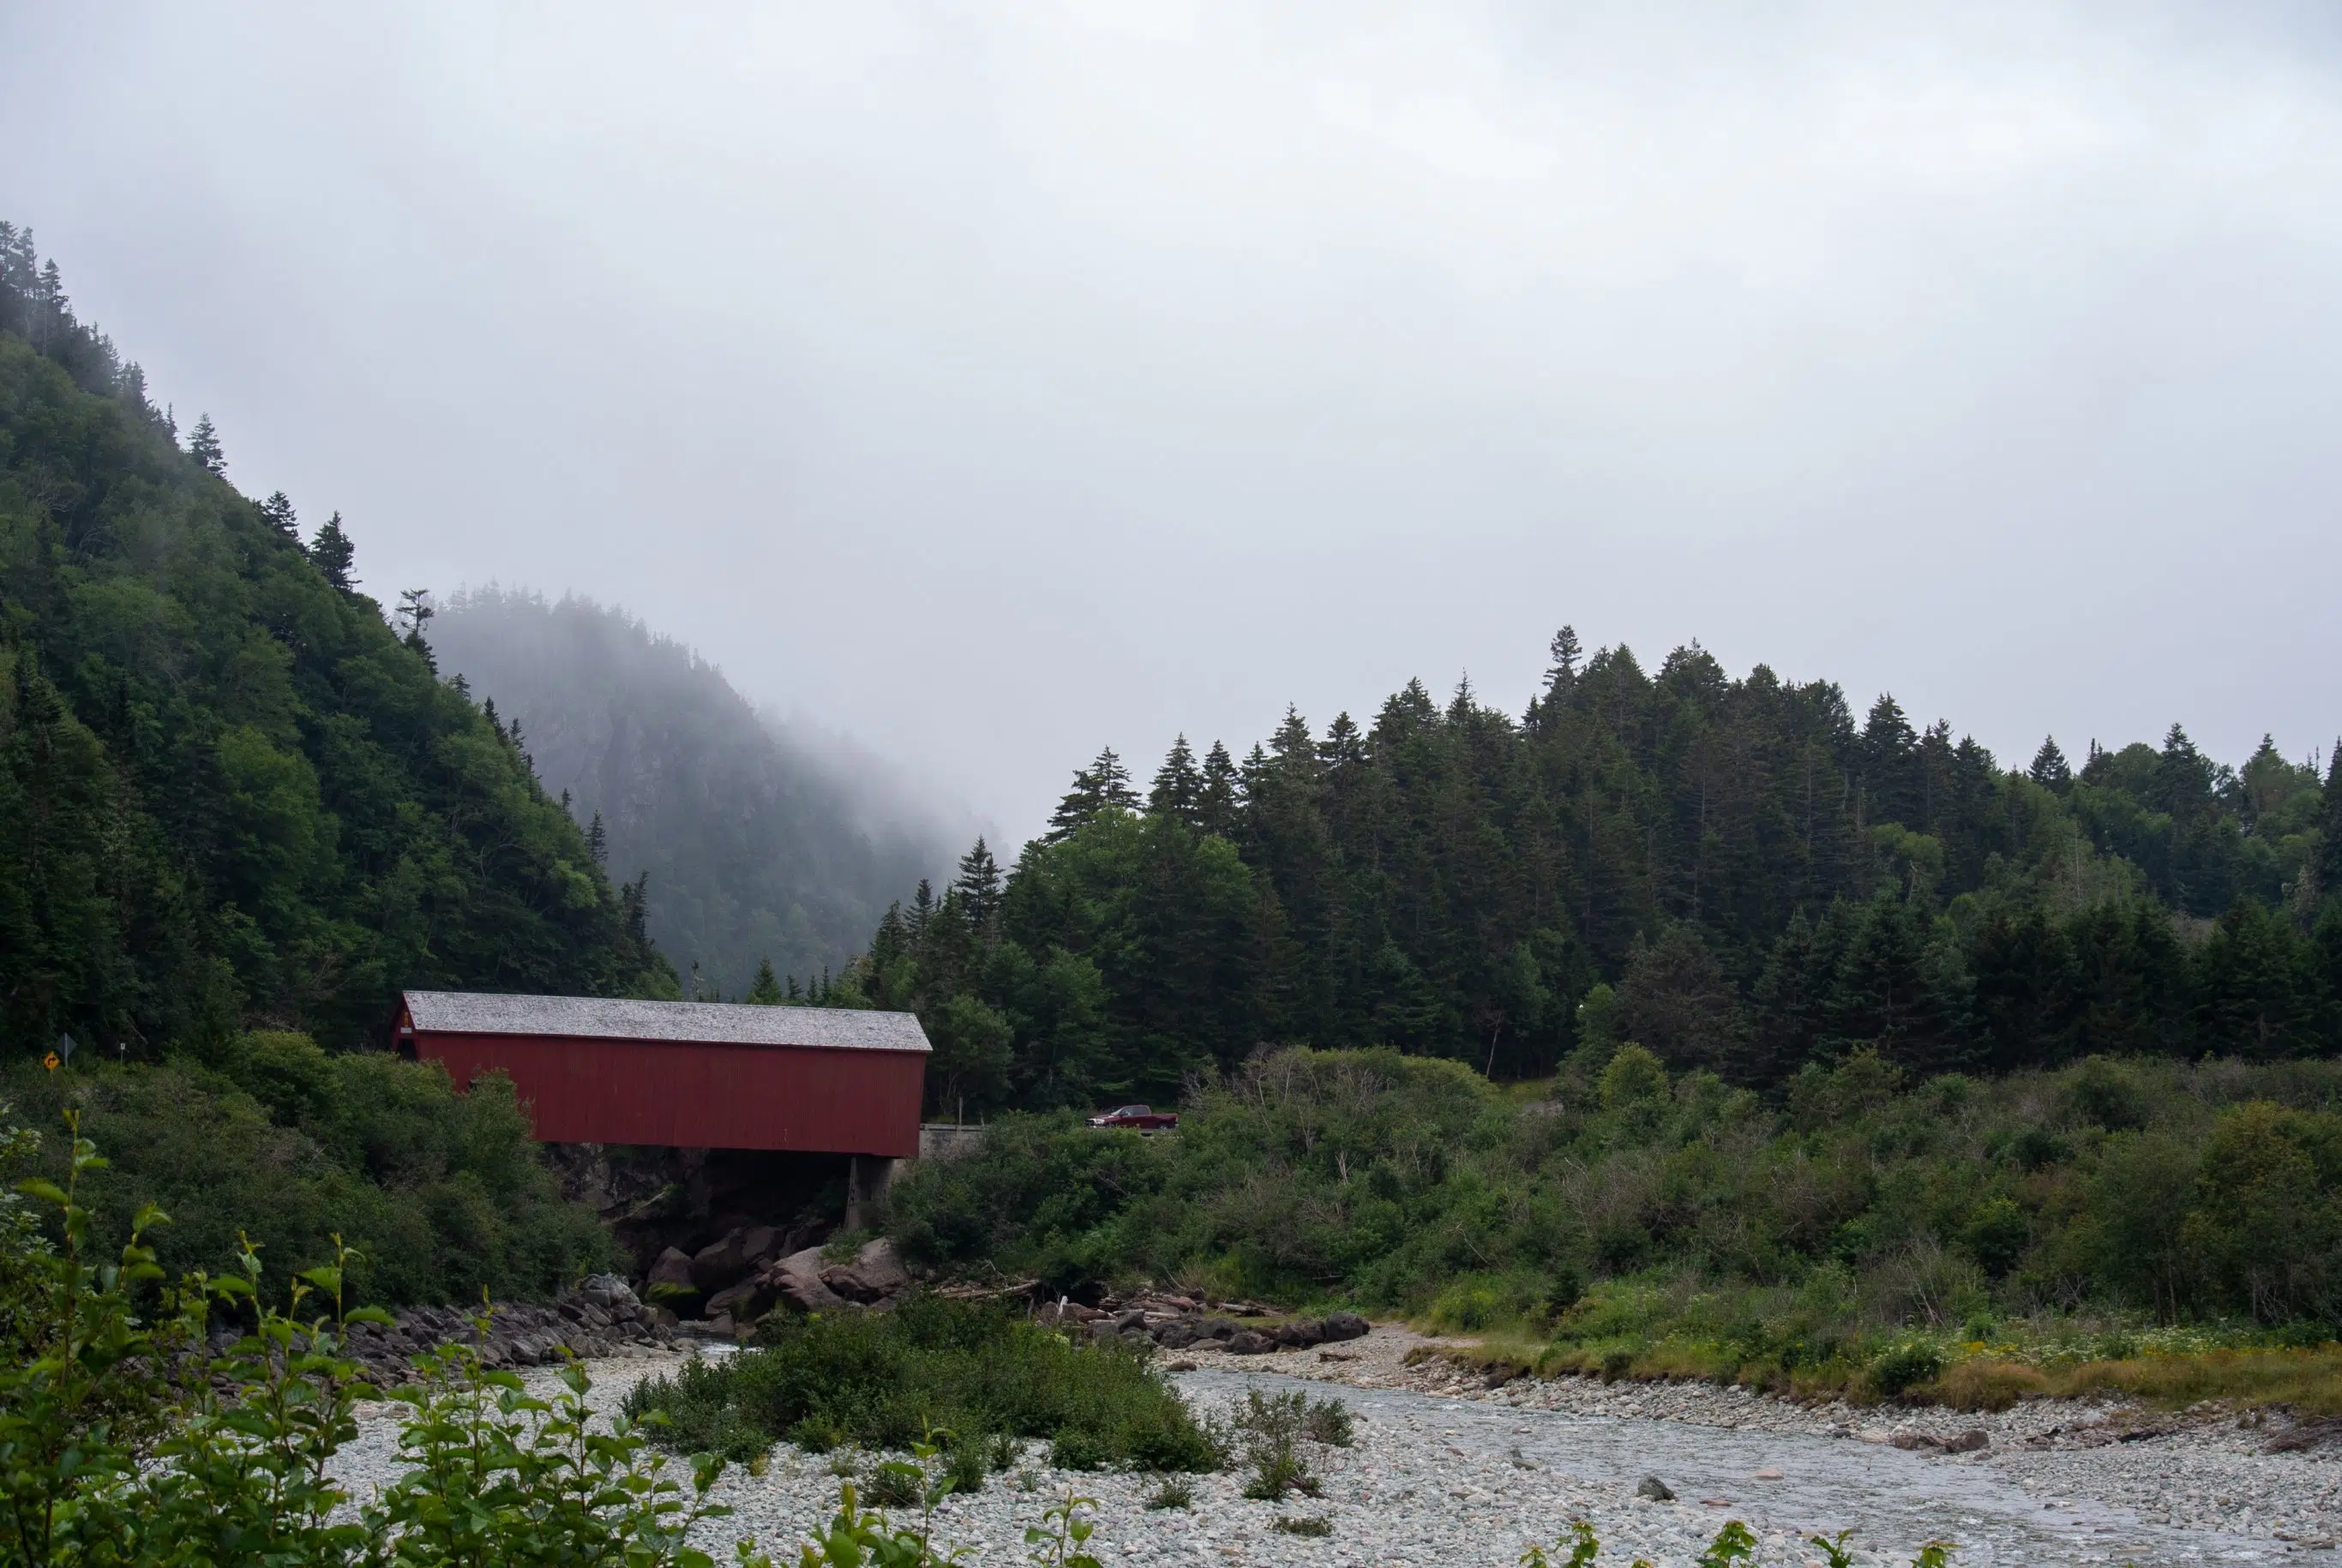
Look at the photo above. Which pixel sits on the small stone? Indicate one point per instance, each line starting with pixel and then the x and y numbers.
pixel 1652 1487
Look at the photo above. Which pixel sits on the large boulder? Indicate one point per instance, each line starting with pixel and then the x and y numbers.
pixel 1244 1342
pixel 875 1274
pixel 1299 1334
pixel 744 1301
pixel 611 1295
pixel 796 1279
pixel 760 1244
pixel 1341 1325
pixel 673 1269
pixel 719 1264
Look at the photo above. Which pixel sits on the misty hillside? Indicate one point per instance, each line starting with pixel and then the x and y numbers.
pixel 755 846
pixel 231 795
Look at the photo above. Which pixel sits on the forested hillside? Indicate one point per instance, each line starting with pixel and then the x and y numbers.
pixel 757 849
pixel 230 794
pixel 1735 872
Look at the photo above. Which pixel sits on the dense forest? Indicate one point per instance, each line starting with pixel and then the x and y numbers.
pixel 1736 874
pixel 758 846
pixel 232 795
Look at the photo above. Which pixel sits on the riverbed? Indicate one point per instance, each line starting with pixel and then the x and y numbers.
pixel 1440 1479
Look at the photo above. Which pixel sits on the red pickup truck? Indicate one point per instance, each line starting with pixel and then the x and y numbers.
pixel 1138 1116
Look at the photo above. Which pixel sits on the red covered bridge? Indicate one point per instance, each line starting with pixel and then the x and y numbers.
pixel 685 1075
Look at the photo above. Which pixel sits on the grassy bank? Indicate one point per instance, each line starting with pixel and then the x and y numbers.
pixel 2159 1366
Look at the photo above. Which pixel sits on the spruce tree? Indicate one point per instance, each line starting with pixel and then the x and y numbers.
pixel 765 991
pixel 414 609
pixel 598 841
pixel 1561 677
pixel 204 446
pixel 1102 786
pixel 2049 769
pixel 1216 798
pixel 278 510
pixel 1178 785
pixel 979 885
pixel 334 554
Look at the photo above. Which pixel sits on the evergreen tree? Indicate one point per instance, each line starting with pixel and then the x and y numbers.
pixel 1216 798
pixel 2049 769
pixel 334 554
pixel 1178 788
pixel 414 609
pixel 765 991
pixel 1103 786
pixel 978 885
pixel 1789 1001
pixel 204 446
pixel 923 913
pixel 1561 676
pixel 2257 987
pixel 278 510
pixel 891 947
pixel 597 842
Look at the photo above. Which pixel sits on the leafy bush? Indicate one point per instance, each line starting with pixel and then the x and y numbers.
pixel 441 1195
pixel 885 1380
pixel 1696 1230
pixel 120 1446
pixel 1272 1427
pixel 1905 1366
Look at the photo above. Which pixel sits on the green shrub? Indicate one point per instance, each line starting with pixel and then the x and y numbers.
pixel 1905 1366
pixel 885 1380
pixel 1177 1491
pixel 107 1459
pixel 441 1195
pixel 1311 1525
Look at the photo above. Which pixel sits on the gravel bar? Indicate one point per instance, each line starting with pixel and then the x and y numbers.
pixel 1460 1474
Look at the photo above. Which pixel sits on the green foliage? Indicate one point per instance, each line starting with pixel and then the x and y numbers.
pixel 1271 1430
pixel 1313 1525
pixel 1522 893
pixel 227 789
pixel 120 1447
pixel 1177 1491
pixel 1864 1212
pixel 442 1196
pixel 885 1380
pixel 1905 1366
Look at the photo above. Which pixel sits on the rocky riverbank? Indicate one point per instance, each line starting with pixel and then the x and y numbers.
pixel 1446 1470
pixel 2211 1468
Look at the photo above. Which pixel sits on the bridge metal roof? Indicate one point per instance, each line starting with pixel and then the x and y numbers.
pixel 687 1023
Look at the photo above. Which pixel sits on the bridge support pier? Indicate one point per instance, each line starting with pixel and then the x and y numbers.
pixel 867 1181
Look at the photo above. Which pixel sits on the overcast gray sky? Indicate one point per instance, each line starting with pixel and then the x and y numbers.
pixel 989 383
